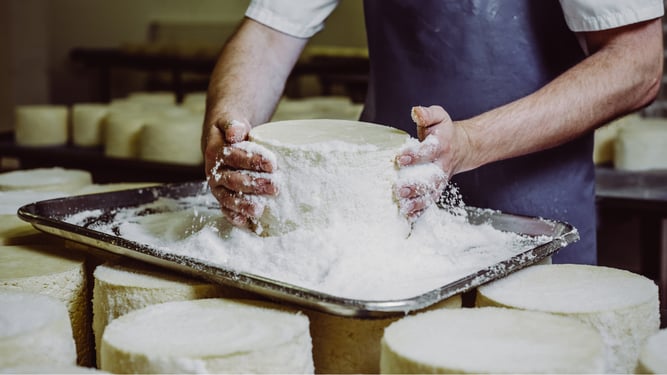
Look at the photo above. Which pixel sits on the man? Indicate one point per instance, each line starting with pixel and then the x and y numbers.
pixel 511 90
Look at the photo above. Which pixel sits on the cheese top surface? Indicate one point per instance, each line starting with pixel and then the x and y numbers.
pixel 654 354
pixel 570 288
pixel 17 262
pixel 26 312
pixel 134 274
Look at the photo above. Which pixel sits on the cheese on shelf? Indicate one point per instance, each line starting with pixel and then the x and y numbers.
pixel 88 124
pixel 208 335
pixel 41 125
pixel 621 305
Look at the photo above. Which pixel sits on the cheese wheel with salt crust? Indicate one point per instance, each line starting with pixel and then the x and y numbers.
pixel 41 125
pixel 88 124
pixel 34 329
pixel 623 306
pixel 124 286
pixel 653 357
pixel 50 270
pixel 45 179
pixel 208 336
pixel 346 345
pixel 490 340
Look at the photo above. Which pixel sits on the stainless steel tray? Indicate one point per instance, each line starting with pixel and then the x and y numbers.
pixel 49 216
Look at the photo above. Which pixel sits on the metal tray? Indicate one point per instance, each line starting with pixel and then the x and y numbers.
pixel 49 215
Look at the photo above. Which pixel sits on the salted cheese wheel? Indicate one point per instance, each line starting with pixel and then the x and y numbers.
pixel 124 286
pixel 88 124
pixel 122 133
pixel 41 125
pixel 623 306
pixel 653 357
pixel 339 159
pixel 49 270
pixel 490 340
pixel 34 328
pixel 45 179
pixel 346 345
pixel 208 335
pixel 173 139
pixel 641 145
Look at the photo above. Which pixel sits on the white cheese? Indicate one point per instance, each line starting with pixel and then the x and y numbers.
pixel 88 124
pixel 41 125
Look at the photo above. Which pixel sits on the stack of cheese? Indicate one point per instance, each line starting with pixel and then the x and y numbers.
pixel 621 305
pixel 318 107
pixel 208 335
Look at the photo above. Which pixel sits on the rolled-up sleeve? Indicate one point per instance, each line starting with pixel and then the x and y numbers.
pixel 595 15
pixel 301 19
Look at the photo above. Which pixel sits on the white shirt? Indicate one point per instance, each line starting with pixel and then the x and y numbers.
pixel 303 19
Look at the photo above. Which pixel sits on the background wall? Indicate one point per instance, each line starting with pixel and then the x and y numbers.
pixel 36 37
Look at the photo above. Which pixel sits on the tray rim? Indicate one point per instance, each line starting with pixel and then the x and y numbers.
pixel 278 290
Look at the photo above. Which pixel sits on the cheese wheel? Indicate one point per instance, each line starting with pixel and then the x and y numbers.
pixel 37 368
pixel 34 329
pixel 41 125
pixel 173 139
pixel 49 270
pixel 345 345
pixel 124 286
pixel 641 145
pixel 623 306
pixel 195 102
pixel 153 97
pixel 14 231
pixel 653 357
pixel 356 159
pixel 122 133
pixel 208 335
pixel 605 138
pixel 88 124
pixel 490 340
pixel 45 179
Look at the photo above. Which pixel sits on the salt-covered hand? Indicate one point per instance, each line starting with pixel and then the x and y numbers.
pixel 237 175
pixel 427 165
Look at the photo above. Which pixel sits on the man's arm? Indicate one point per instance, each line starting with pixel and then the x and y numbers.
pixel 622 74
pixel 245 86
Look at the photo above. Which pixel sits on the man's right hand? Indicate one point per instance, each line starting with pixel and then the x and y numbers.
pixel 237 177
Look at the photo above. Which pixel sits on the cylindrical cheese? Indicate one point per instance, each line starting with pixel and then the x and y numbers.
pixel 172 139
pixel 490 340
pixel 41 125
pixel 641 145
pixel 345 345
pixel 45 179
pixel 34 328
pixel 623 306
pixel 153 97
pixel 88 123
pixel 49 270
pixel 208 335
pixel 121 287
pixel 122 133
pixel 653 357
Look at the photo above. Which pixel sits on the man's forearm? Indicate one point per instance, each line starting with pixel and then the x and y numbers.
pixel 622 75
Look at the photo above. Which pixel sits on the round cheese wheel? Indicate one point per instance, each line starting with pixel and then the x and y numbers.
pixel 34 329
pixel 49 270
pixel 490 340
pixel 208 335
pixel 45 179
pixel 122 133
pixel 623 306
pixel 40 368
pixel 172 139
pixel 346 345
pixel 153 97
pixel 640 145
pixel 14 231
pixel 195 102
pixel 124 286
pixel 41 125
pixel 339 159
pixel 87 124
pixel 653 357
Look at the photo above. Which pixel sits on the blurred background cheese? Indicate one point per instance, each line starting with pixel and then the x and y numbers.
pixel 153 97
pixel 34 329
pixel 346 345
pixel 122 132
pixel 623 306
pixel 641 145
pixel 490 340
pixel 41 125
pixel 45 179
pixel 653 357
pixel 88 123
pixel 124 286
pixel 172 139
pixel 52 271
pixel 208 335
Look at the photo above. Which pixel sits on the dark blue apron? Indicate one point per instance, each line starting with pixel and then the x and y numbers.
pixel 470 56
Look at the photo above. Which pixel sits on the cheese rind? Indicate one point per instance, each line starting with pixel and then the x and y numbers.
pixel 653 357
pixel 55 179
pixel 208 335
pixel 640 145
pixel 172 139
pixel 34 328
pixel 41 125
pixel 490 340
pixel 88 124
pixel 621 305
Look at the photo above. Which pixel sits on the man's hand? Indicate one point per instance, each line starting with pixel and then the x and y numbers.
pixel 238 177
pixel 427 166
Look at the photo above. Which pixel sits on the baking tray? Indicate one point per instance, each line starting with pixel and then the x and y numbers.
pixel 49 216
